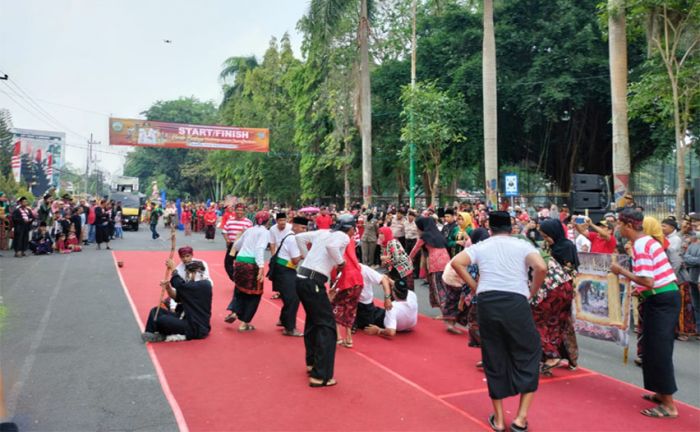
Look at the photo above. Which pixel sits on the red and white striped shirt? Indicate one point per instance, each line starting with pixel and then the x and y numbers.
pixel 234 227
pixel 650 261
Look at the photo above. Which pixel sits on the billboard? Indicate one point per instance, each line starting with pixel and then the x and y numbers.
pixel 40 158
pixel 146 133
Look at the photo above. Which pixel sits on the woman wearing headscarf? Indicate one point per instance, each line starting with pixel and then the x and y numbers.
pixel 395 258
pixel 551 307
pixel 249 272
pixel 464 228
pixel 434 245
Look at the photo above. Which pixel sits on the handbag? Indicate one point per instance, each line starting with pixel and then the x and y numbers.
pixel 272 266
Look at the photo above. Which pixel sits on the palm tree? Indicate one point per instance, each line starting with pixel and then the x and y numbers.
pixel 324 15
pixel 234 70
pixel 490 106
pixel 617 46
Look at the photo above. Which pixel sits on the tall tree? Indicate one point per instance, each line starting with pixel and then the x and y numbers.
pixel 617 45
pixel 490 106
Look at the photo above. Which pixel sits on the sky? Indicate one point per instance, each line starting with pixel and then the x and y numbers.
pixel 74 63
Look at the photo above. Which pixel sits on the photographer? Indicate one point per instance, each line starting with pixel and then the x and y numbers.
pixel 600 235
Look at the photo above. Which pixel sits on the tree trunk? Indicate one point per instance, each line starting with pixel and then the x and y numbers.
pixel 617 47
pixel 680 149
pixel 490 107
pixel 346 175
pixel 365 106
pixel 435 188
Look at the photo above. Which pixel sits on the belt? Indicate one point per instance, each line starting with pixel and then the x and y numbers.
pixel 670 287
pixel 284 263
pixel 313 275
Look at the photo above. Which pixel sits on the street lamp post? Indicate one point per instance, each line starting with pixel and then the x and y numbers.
pixel 412 145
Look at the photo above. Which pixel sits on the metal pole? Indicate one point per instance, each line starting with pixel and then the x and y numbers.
pixel 412 145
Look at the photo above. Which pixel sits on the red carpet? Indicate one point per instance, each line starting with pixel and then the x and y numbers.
pixel 423 381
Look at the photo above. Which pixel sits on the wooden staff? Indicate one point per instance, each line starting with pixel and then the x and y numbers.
pixel 167 270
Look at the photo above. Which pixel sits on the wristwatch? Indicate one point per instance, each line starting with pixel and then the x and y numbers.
pixel 387 296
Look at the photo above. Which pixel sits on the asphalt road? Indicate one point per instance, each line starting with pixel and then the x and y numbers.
pixel 71 356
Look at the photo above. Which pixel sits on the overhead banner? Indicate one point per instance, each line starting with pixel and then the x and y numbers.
pixel 602 302
pixel 38 158
pixel 145 133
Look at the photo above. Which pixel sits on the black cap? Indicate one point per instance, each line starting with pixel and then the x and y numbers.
pixel 281 215
pixel 670 222
pixel 401 289
pixel 300 220
pixel 450 211
pixel 499 219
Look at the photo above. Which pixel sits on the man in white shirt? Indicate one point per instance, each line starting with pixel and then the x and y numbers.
pixel 401 317
pixel 320 332
pixel 510 344
pixel 277 232
pixel 367 312
pixel 283 267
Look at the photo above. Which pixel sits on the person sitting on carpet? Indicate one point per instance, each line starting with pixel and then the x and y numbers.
pixel 194 294
pixel 401 317
pixel 367 312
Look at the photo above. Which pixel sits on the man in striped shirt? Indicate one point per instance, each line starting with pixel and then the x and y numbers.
pixel 654 280
pixel 231 230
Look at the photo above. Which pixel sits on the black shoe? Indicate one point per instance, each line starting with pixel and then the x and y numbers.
pixel 8 427
pixel 152 337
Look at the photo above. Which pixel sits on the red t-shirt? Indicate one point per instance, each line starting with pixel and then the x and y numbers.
pixel 324 222
pixel 598 245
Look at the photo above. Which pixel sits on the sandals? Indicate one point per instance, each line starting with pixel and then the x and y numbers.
pixel 347 344
pixel 453 330
pixel 313 382
pixel 230 318
pixel 516 428
pixel 295 333
pixel 651 398
pixel 658 412
pixel 546 369
pixel 246 328
pixel 492 423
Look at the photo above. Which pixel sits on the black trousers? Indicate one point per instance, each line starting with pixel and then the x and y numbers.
pixel 660 319
pixel 228 261
pixel 319 331
pixel 369 314
pixel 284 281
pixel 410 243
pixel 168 323
pixel 244 305
pixel 20 242
pixel 510 344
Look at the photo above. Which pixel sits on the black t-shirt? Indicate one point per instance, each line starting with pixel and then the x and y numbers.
pixel 195 298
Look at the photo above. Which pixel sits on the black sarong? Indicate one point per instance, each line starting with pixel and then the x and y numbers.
pixel 660 318
pixel 510 344
pixel 284 281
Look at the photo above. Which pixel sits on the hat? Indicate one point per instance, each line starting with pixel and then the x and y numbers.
pixel 401 289
pixel 449 211
pixel 605 224
pixel 262 217
pixel 281 215
pixel 609 214
pixel 344 223
pixel 300 220
pixel 185 250
pixel 22 198
pixel 499 219
pixel 195 266
pixel 632 217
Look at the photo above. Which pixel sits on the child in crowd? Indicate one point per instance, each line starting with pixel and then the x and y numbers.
pixel 61 246
pixel 72 242
pixel 41 243
pixel 118 232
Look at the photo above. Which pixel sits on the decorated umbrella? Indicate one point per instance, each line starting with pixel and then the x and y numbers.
pixel 309 209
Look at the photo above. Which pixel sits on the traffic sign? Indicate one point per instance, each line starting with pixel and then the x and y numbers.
pixel 511 181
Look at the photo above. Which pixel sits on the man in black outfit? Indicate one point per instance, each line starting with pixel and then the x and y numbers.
pixel 194 295
pixel 22 218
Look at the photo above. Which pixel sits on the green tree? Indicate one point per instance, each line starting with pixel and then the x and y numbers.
pixel 433 129
pixel 6 144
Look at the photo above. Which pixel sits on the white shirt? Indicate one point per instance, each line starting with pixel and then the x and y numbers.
pixel 276 235
pixel 403 315
pixel 370 278
pixel 183 274
pixel 674 242
pixel 326 252
pixel 289 249
pixel 450 276
pixel 502 266
pixel 252 243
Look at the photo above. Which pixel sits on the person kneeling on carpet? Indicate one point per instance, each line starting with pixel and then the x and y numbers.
pixel 401 317
pixel 194 294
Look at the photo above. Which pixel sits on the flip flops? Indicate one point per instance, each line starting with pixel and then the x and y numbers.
pixel 651 398
pixel 492 423
pixel 658 412
pixel 328 383
pixel 516 428
pixel 230 318
pixel 246 328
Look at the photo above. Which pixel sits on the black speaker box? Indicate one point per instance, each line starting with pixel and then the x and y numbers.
pixel 589 200
pixel 588 182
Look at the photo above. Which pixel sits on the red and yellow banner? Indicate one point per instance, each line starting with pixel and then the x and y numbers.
pixel 145 133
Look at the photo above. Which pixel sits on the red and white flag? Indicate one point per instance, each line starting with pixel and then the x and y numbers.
pixel 16 162
pixel 49 168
